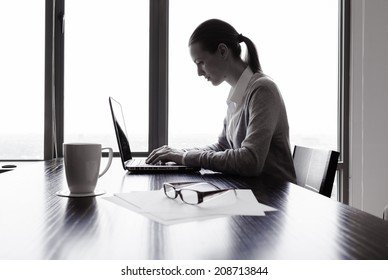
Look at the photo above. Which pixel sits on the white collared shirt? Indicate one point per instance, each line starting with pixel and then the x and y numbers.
pixel 235 103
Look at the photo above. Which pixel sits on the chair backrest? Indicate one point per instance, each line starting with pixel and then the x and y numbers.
pixel 315 169
pixel 385 213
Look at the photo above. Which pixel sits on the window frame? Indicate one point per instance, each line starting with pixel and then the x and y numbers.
pixel 54 78
pixel 158 78
pixel 343 100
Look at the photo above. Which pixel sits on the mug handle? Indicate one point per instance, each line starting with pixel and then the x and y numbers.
pixel 109 162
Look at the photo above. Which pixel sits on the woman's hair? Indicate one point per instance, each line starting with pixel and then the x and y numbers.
pixel 213 32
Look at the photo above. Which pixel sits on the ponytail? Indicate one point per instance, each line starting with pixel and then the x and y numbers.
pixel 251 57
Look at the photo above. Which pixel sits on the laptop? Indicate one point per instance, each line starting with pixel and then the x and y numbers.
pixel 137 164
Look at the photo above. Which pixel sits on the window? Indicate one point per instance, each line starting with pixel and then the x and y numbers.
pixel 22 57
pixel 106 54
pixel 297 42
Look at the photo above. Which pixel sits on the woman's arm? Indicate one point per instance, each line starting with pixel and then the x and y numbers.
pixel 166 153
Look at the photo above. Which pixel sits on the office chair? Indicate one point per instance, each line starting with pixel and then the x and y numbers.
pixel 385 213
pixel 315 169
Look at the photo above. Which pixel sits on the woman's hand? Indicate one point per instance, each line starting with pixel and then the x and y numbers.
pixel 165 154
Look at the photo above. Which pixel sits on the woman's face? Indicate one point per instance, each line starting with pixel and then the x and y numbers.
pixel 211 66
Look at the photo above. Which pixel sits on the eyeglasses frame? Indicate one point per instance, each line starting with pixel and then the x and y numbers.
pixel 178 186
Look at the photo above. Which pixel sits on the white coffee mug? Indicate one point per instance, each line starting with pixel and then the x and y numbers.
pixel 82 166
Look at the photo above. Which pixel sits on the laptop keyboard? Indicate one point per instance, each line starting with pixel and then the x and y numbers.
pixel 136 162
pixel 141 162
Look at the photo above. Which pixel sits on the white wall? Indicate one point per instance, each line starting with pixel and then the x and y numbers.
pixel 369 106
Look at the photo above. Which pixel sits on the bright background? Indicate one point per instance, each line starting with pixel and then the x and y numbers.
pixel 106 54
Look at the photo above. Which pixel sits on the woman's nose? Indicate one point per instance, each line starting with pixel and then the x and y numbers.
pixel 200 71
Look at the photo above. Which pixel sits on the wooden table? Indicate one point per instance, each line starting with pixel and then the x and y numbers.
pixel 35 223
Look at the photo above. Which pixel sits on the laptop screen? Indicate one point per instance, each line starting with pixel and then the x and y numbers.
pixel 120 129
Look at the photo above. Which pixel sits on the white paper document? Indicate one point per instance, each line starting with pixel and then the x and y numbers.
pixel 155 205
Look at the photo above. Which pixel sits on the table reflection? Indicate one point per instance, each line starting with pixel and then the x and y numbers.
pixel 76 228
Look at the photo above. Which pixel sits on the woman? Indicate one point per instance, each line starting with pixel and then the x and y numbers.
pixel 255 135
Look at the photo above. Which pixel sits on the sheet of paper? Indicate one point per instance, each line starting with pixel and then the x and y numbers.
pixel 155 205
pixel 118 201
pixel 156 202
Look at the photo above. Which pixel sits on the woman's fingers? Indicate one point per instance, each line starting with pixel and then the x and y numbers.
pixel 164 154
pixel 156 154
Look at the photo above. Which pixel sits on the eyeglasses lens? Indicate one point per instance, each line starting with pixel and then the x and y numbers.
pixel 169 191
pixel 189 196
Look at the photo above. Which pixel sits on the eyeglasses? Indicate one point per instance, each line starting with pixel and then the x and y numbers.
pixel 191 196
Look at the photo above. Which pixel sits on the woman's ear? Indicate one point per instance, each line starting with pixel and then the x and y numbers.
pixel 223 50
